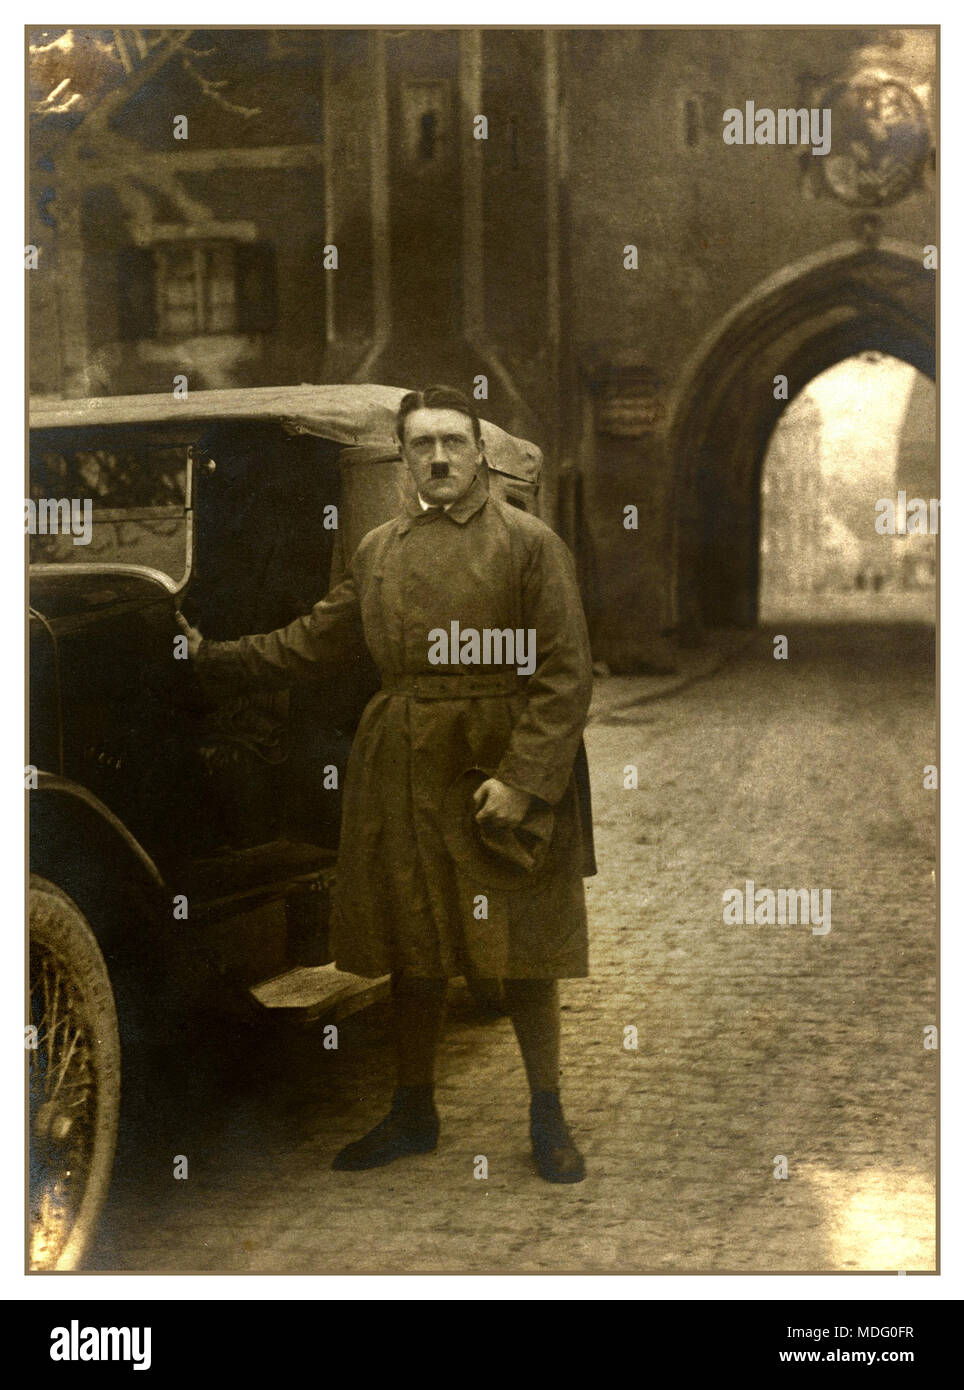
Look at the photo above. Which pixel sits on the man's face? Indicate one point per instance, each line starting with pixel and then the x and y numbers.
pixel 441 452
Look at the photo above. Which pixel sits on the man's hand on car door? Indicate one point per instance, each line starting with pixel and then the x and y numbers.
pixel 194 638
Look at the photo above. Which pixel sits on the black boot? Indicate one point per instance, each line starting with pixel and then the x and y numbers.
pixel 556 1156
pixel 410 1127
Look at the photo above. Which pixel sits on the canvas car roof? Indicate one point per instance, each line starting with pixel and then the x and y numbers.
pixel 359 415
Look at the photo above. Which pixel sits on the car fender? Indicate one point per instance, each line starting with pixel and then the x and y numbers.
pixel 77 842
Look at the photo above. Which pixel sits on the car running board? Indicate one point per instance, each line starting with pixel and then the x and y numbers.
pixel 309 992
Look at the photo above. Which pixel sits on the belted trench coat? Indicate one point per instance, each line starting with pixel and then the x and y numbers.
pixel 402 902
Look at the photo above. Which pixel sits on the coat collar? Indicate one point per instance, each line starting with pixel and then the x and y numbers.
pixel 460 512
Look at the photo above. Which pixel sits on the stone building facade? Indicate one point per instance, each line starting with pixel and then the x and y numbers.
pixel 792 558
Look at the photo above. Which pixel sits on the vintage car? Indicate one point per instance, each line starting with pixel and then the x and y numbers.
pixel 182 844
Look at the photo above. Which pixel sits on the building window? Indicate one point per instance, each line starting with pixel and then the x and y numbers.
pixel 196 288
pixel 426 123
pixel 185 287
pixel 426 143
pixel 514 142
pixel 692 120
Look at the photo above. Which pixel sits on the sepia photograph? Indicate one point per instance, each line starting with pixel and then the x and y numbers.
pixel 482 767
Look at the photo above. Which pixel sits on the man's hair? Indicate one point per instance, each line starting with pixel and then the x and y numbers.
pixel 436 398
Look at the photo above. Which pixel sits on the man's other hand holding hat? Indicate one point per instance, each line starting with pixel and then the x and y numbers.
pixel 498 806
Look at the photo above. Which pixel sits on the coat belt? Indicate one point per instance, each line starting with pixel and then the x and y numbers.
pixel 438 686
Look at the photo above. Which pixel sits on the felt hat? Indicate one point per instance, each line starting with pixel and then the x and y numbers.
pixel 502 859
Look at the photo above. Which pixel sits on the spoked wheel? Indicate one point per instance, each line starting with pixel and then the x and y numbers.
pixel 74 1080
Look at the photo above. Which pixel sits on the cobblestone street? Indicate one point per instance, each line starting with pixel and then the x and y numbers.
pixel 753 1041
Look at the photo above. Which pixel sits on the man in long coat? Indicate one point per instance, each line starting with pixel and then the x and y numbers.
pixel 414 897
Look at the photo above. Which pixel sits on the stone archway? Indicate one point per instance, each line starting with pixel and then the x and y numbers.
pixel 810 315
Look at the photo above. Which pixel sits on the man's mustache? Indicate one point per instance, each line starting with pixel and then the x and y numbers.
pixel 440 470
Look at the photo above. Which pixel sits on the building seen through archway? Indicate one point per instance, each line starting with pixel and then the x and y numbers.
pixel 845 303
pixel 847 497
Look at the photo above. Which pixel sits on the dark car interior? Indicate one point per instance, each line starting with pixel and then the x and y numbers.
pixel 265 537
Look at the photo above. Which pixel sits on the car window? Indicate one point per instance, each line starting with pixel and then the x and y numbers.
pixel 101 500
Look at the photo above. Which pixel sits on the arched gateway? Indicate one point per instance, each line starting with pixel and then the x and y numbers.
pixel 810 315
